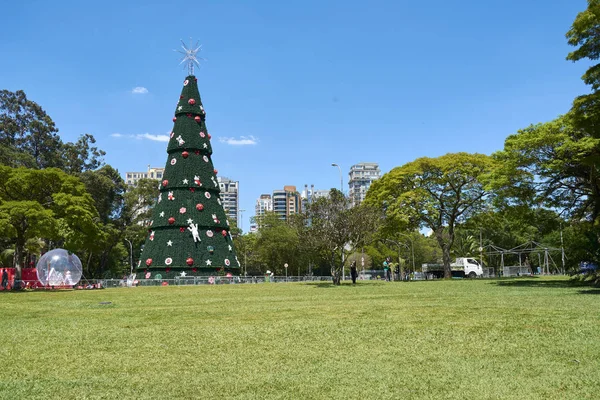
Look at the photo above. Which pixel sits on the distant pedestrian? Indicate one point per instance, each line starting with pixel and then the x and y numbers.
pixel 386 269
pixel 4 279
pixel 353 272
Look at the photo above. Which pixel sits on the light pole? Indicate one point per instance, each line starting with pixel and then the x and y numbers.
pixel 341 190
pixel 341 177
pixel 130 255
pixel 242 220
pixel 412 249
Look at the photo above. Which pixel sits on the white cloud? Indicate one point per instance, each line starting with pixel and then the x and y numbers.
pixel 157 138
pixel 139 90
pixel 242 141
pixel 140 136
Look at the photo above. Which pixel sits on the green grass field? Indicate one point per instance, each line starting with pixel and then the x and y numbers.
pixel 461 339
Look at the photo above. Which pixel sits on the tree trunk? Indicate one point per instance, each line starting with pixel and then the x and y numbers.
pixel 335 275
pixel 19 246
pixel 446 259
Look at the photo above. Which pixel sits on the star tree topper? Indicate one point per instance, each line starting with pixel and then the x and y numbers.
pixel 189 55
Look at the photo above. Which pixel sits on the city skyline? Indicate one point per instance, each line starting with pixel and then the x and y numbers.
pixel 230 193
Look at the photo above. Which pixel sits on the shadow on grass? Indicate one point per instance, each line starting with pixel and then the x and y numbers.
pixel 542 283
pixel 590 291
pixel 329 285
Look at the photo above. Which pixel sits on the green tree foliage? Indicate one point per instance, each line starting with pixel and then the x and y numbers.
pixel 337 228
pixel 29 138
pixel 552 164
pixel 435 193
pixel 45 204
pixel 277 243
pixel 585 36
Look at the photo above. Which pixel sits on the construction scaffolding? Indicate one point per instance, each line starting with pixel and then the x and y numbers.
pixel 519 258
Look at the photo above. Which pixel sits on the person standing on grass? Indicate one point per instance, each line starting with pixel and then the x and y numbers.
pixel 386 269
pixel 4 279
pixel 353 272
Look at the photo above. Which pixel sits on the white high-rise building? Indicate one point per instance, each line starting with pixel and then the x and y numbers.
pixel 229 197
pixel 360 178
pixel 312 194
pixel 263 205
pixel 131 178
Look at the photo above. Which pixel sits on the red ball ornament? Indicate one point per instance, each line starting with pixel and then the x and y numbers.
pixel 165 182
pixel 209 136
pixel 182 229
pixel 192 190
pixel 181 97
pixel 191 102
pixel 199 207
pixel 167 269
pixel 185 154
pixel 149 262
pixel 189 115
pixel 194 269
pixel 197 152
pixel 216 171
pixel 189 261
pixel 197 119
pixel 174 119
pixel 224 232
pixel 171 220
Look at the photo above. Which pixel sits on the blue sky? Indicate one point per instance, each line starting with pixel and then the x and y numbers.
pixel 308 82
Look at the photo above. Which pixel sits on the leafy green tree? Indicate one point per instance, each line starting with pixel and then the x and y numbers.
pixel 81 156
pixel 45 204
pixel 29 138
pixel 337 228
pixel 28 135
pixel 277 243
pixel 551 164
pixel 435 193
pixel 585 35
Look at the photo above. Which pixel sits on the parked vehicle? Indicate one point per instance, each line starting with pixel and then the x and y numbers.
pixel 462 267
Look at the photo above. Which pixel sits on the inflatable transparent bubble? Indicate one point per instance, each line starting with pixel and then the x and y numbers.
pixel 58 267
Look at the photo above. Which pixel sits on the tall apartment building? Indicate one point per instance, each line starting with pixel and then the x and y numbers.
pixel 131 178
pixel 361 177
pixel 263 205
pixel 286 202
pixel 230 197
pixel 312 194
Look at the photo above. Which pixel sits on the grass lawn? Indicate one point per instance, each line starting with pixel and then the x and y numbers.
pixel 528 338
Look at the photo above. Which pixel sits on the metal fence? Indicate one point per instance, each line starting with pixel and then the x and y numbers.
pixel 199 280
pixel 516 271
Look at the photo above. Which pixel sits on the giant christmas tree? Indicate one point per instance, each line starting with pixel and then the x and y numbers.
pixel 189 233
